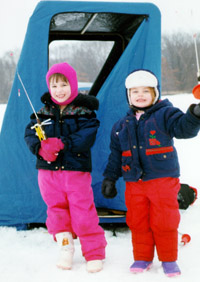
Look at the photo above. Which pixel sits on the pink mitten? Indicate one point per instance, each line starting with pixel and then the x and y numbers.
pixel 53 145
pixel 50 148
pixel 49 157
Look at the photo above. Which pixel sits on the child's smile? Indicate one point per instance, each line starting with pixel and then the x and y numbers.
pixel 60 90
pixel 141 96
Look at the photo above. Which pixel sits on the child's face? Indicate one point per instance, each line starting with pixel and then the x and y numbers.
pixel 60 90
pixel 141 96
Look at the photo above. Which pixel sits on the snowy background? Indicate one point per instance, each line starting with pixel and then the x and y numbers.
pixel 177 15
pixel 30 256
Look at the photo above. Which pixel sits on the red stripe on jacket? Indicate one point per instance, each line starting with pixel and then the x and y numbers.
pixel 126 153
pixel 161 150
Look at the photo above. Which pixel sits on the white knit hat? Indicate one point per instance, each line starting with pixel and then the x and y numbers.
pixel 142 78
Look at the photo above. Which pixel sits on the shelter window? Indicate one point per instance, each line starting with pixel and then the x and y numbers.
pixel 87 58
pixel 114 30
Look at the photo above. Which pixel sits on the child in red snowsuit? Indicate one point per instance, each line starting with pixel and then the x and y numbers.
pixel 64 166
pixel 143 152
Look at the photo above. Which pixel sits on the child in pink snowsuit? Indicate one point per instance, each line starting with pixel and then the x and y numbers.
pixel 64 166
pixel 143 152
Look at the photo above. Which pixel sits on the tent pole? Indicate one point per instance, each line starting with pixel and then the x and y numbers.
pixel 88 23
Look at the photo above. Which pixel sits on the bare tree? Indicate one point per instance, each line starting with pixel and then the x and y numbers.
pixel 7 71
pixel 178 62
pixel 179 70
pixel 87 57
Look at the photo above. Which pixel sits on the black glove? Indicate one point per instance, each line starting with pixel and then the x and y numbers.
pixel 108 188
pixel 196 110
pixel 186 196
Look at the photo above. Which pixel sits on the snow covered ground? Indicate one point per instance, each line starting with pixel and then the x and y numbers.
pixel 29 256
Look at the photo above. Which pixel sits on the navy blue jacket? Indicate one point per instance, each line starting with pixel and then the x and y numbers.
pixel 77 126
pixel 144 148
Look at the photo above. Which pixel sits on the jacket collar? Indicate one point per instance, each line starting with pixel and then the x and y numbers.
pixel 160 104
pixel 81 100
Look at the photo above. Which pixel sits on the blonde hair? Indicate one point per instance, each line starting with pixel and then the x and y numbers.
pixel 153 93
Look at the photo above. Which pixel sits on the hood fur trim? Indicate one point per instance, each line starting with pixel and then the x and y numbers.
pixel 88 101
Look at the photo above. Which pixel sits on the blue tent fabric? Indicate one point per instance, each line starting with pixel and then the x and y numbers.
pixel 112 96
pixel 20 199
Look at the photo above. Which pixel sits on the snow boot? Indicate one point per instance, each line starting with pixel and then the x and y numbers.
pixel 171 268
pixel 94 266
pixel 66 250
pixel 140 266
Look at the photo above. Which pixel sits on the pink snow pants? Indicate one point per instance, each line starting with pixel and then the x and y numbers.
pixel 70 208
pixel 153 218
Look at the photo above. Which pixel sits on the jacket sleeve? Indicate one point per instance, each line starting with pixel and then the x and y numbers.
pixel 113 169
pixel 182 125
pixel 31 138
pixel 84 138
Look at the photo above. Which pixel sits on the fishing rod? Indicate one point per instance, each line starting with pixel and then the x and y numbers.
pixel 39 125
pixel 196 89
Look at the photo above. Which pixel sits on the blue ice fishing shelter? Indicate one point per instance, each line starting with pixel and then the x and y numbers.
pixel 135 29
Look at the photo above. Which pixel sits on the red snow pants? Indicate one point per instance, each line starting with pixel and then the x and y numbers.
pixel 153 218
pixel 70 207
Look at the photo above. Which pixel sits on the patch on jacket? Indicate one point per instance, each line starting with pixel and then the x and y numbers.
pixel 127 153
pixel 152 140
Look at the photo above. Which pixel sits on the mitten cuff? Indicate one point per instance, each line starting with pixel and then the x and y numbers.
pixel 196 110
